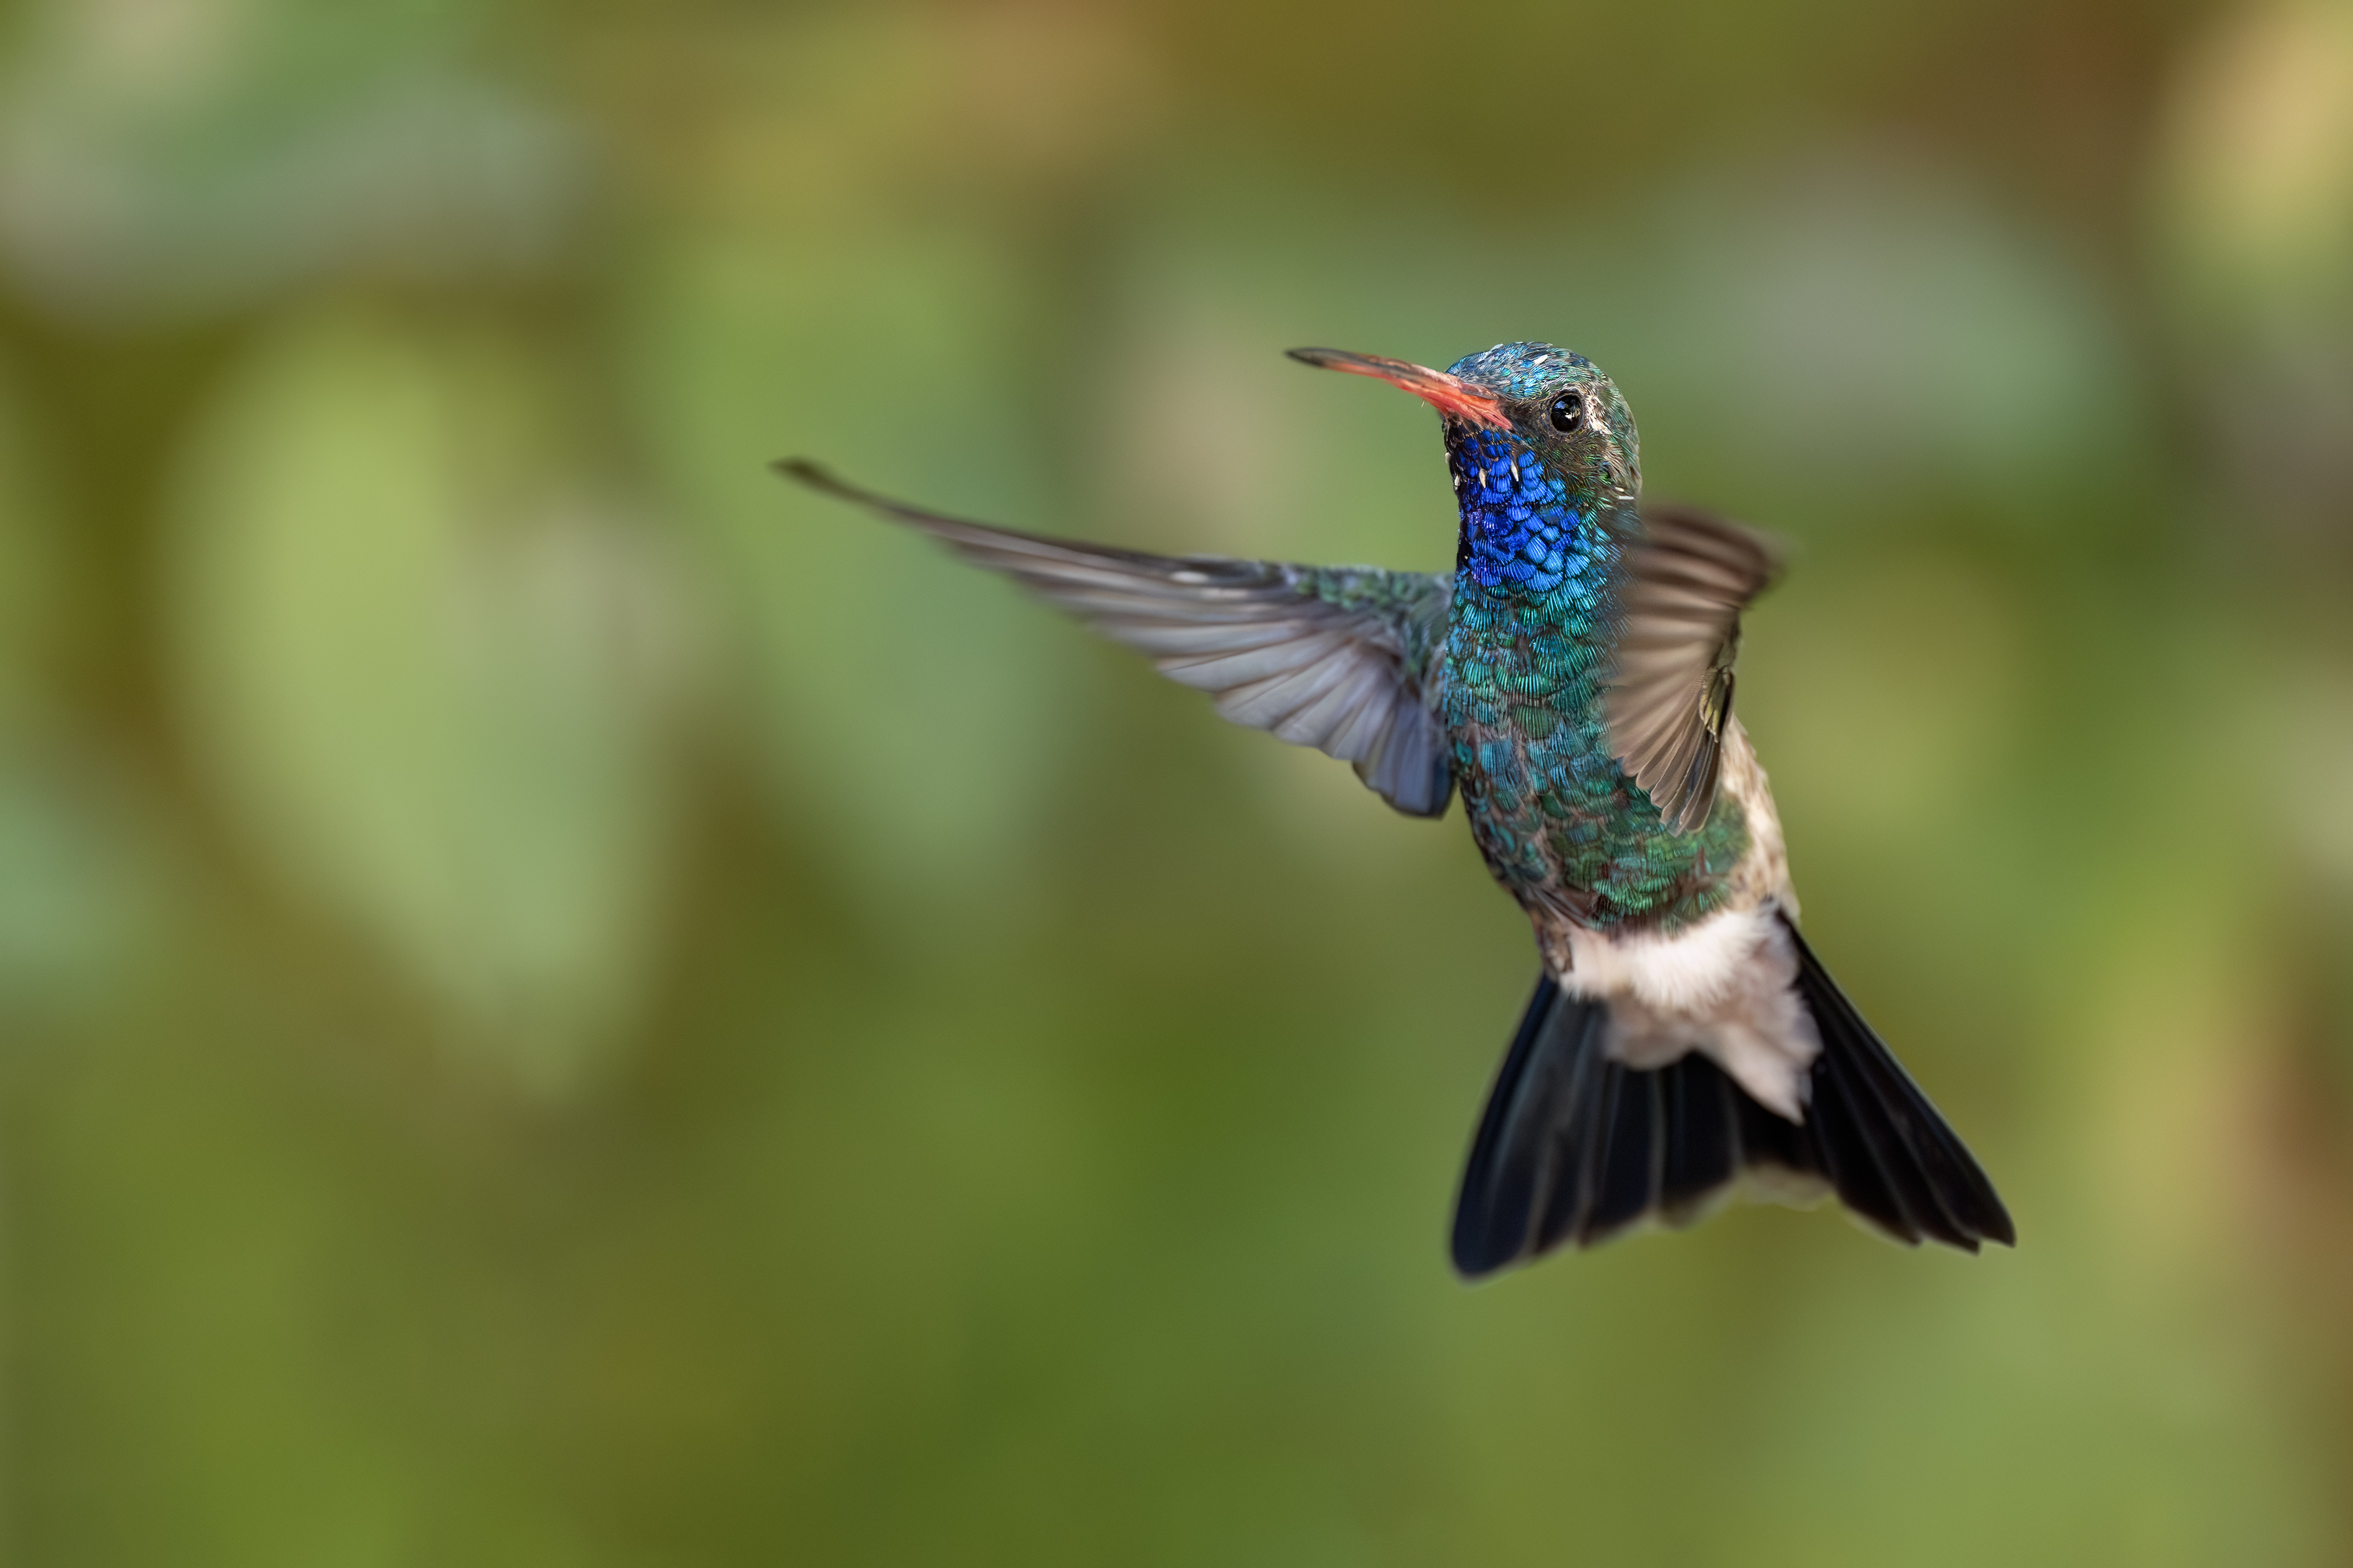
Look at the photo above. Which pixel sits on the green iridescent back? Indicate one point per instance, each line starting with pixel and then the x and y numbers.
pixel 1544 514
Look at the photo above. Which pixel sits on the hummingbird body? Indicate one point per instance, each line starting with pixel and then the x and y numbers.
pixel 1664 919
pixel 1573 679
pixel 1528 642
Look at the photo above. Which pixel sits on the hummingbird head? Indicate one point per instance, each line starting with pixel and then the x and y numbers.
pixel 1545 401
pixel 1540 441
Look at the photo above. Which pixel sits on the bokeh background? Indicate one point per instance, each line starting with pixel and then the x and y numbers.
pixel 562 1003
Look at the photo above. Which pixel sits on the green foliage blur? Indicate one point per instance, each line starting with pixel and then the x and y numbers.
pixel 564 1003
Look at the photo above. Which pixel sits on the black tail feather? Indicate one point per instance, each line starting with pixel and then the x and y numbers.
pixel 1583 1141
pixel 1700 1133
pixel 1626 1182
pixel 1923 1164
pixel 1576 1147
pixel 1542 1087
pixel 1866 1181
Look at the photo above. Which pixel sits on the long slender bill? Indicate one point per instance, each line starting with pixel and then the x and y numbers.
pixel 1450 395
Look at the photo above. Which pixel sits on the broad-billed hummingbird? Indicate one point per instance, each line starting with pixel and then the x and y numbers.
pixel 1573 679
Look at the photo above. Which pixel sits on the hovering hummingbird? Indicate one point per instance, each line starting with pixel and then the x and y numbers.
pixel 1573 679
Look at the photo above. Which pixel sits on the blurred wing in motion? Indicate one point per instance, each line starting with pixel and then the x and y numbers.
pixel 1683 585
pixel 1334 657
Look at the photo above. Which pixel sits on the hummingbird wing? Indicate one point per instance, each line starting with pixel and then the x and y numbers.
pixel 1337 658
pixel 1683 587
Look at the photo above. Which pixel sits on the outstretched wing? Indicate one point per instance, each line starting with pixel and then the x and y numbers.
pixel 1683 587
pixel 1334 657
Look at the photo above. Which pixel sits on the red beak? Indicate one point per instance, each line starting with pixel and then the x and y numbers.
pixel 1450 395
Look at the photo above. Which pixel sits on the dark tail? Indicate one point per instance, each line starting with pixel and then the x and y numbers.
pixel 1576 1147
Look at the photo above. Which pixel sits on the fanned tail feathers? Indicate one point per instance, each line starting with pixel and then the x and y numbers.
pixel 1576 1147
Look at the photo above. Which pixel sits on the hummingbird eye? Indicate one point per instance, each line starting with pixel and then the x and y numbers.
pixel 1567 411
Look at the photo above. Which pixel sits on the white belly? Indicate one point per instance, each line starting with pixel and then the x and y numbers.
pixel 1725 987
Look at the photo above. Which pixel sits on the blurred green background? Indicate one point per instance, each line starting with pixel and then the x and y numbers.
pixel 562 1003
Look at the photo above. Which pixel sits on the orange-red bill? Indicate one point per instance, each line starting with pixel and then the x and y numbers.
pixel 1450 395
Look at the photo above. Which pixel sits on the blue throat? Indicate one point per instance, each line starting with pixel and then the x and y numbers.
pixel 1525 534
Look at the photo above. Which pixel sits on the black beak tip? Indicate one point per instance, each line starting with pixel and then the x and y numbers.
pixel 818 477
pixel 1320 358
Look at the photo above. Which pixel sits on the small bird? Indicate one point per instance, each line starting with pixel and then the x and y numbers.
pixel 1573 679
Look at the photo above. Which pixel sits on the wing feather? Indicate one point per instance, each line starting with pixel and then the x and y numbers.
pixel 1683 587
pixel 1339 658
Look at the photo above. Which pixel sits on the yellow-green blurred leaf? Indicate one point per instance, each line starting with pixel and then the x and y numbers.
pixel 428 672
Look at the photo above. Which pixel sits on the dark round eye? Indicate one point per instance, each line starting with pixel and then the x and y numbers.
pixel 1567 411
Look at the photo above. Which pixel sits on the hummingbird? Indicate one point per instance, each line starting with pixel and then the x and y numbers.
pixel 1573 681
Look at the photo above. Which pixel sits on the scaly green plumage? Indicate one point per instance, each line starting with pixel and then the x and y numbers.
pixel 1558 821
